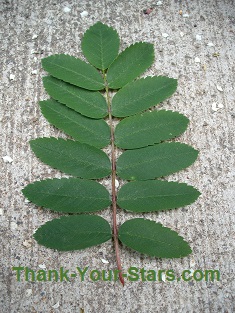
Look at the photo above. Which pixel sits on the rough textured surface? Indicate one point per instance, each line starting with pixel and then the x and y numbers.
pixel 34 29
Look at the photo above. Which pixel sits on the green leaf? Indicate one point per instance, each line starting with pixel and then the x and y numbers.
pixel 93 132
pixel 149 128
pixel 130 64
pixel 155 195
pixel 155 161
pixel 73 71
pixel 88 103
pixel 72 157
pixel 73 232
pixel 77 106
pixel 142 94
pixel 73 195
pixel 151 238
pixel 100 45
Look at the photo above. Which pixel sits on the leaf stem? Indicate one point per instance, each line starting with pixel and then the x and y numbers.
pixel 114 196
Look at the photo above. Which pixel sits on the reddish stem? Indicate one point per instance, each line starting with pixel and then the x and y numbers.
pixel 114 196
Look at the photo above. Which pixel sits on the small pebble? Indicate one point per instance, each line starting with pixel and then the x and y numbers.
pixel 216 107
pixel 12 76
pixel 106 182
pixel 36 52
pixel 197 60
pixel 148 11
pixel 159 3
pixel 27 201
pixel 42 266
pixel 34 36
pixel 28 292
pixel 66 10
pixel 7 159
pixel 27 243
pixel 13 225
pixel 34 72
pixel 1 211
pixel 180 12
pixel 185 15
pixel 181 34
pixel 104 261
pixel 84 14
pixel 192 263
pixel 210 44
pixel 198 37
pixel 116 183
pixel 219 88
pixel 56 305
pixel 165 35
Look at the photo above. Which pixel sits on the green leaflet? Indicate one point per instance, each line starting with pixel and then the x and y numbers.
pixel 155 195
pixel 72 157
pixel 71 195
pixel 88 103
pixel 73 232
pixel 73 71
pixel 153 239
pixel 130 64
pixel 93 132
pixel 142 94
pixel 100 45
pixel 149 128
pixel 155 161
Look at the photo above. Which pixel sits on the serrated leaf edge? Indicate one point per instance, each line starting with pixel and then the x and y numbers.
pixel 64 216
pixel 107 26
pixel 165 140
pixel 147 161
pixel 162 210
pixel 136 82
pixel 137 43
pixel 60 128
pixel 74 95
pixel 69 140
pixel 73 57
pixel 153 222
pixel 63 179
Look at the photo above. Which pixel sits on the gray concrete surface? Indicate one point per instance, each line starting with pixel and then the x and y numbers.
pixel 205 95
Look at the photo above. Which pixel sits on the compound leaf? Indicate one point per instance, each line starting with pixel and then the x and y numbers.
pixel 151 238
pixel 72 157
pixel 78 108
pixel 73 232
pixel 100 45
pixel 73 71
pixel 142 94
pixel 73 195
pixel 155 195
pixel 130 64
pixel 155 161
pixel 88 103
pixel 93 132
pixel 149 128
